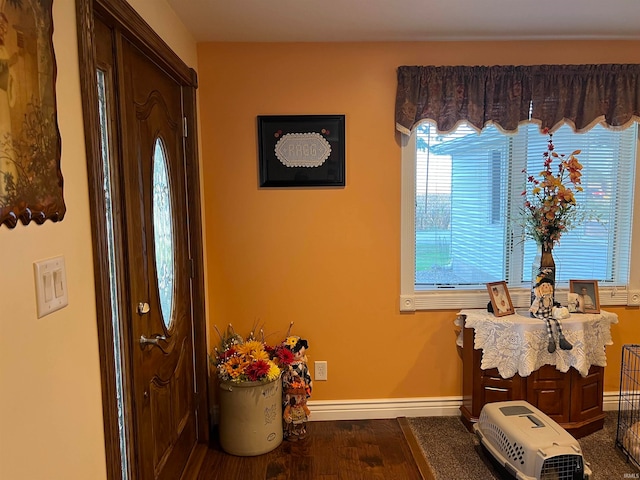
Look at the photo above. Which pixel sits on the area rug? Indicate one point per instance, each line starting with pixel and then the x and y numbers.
pixel 451 451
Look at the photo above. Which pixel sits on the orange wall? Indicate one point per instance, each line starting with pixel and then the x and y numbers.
pixel 329 259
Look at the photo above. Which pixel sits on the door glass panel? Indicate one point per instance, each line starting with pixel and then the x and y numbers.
pixel 163 232
pixel 103 109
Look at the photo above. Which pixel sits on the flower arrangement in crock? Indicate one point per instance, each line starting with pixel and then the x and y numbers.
pixel 248 359
pixel 549 211
pixel 249 372
pixel 250 423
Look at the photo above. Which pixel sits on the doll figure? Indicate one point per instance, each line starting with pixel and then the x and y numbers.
pixel 543 307
pixel 296 413
pixel 298 370
pixel 297 385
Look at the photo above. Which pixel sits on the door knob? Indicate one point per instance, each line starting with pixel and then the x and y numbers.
pixel 152 341
pixel 144 341
pixel 143 308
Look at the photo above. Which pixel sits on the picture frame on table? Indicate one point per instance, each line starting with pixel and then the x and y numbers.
pixel 301 150
pixel 500 298
pixel 583 296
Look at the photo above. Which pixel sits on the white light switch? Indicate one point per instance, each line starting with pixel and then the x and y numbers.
pixel 58 286
pixel 47 285
pixel 51 285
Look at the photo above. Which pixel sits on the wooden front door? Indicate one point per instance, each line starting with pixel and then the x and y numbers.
pixel 159 268
pixel 143 130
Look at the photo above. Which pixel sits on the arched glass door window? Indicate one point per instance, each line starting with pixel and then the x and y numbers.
pixel 163 232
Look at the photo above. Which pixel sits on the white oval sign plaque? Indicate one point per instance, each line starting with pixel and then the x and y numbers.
pixel 302 150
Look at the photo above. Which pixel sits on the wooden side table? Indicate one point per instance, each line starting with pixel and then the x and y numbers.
pixel 569 398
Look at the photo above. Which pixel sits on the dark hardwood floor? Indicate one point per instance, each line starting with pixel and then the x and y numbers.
pixel 333 450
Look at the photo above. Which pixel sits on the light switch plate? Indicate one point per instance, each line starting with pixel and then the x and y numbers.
pixel 51 285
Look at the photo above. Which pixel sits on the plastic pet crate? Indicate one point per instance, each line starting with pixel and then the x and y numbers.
pixel 628 433
pixel 529 444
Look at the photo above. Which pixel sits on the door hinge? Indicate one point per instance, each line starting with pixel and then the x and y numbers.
pixel 184 127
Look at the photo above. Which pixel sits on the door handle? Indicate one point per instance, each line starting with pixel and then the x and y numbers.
pixel 144 341
pixel 143 308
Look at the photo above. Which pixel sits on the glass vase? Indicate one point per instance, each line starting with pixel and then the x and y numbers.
pixel 543 269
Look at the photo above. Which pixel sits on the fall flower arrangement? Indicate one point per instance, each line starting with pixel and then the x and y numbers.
pixel 249 359
pixel 550 205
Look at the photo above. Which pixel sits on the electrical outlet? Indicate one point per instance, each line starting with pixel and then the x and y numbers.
pixel 633 298
pixel 321 370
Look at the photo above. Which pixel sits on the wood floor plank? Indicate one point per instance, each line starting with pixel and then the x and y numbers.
pixel 333 450
pixel 416 451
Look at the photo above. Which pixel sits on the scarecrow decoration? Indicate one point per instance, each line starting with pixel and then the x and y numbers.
pixel 296 389
pixel 544 307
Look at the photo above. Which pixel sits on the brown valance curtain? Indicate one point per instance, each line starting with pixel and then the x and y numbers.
pixel 580 95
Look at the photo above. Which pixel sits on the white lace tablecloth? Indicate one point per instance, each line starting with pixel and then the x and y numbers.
pixel 518 343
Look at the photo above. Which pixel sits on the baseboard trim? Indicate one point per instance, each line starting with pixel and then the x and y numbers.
pixel 611 401
pixel 404 407
pixel 367 409
pixel 377 408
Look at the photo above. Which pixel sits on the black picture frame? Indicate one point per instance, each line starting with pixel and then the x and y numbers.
pixel 301 150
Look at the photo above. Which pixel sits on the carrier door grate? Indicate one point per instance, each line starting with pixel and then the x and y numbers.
pixel 562 467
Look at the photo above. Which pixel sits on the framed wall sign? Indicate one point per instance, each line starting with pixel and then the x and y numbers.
pixel 301 150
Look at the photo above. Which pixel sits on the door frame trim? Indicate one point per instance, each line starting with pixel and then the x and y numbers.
pixel 143 36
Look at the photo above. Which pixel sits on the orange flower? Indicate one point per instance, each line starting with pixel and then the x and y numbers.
pixel 235 366
pixel 252 348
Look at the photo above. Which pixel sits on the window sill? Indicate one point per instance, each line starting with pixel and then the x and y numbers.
pixel 520 297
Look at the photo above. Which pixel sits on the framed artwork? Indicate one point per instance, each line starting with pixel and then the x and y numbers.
pixel 301 150
pixel 30 176
pixel 583 296
pixel 500 299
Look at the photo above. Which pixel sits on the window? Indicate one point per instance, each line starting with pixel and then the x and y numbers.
pixel 460 190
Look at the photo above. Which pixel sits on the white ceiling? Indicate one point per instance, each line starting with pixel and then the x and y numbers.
pixel 407 20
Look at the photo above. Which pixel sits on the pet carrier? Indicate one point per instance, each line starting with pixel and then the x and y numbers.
pixel 529 444
pixel 628 433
